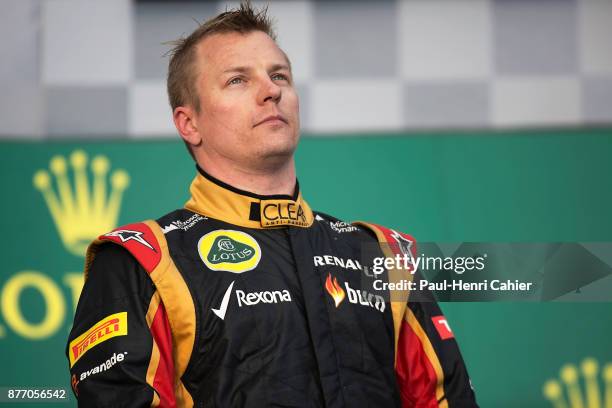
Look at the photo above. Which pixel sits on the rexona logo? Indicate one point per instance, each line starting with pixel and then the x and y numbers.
pixel 107 328
pixel 84 211
pixel 568 391
pixel 228 250
pixel 267 296
pixel 251 298
pixel 354 296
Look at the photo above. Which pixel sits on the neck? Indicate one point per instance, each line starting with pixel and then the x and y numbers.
pixel 267 180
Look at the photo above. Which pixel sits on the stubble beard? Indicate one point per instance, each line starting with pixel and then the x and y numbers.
pixel 272 155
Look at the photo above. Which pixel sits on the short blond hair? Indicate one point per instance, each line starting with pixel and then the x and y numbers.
pixel 182 72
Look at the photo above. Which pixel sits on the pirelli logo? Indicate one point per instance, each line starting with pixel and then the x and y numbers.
pixel 107 328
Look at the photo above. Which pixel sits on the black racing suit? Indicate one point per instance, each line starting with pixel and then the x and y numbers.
pixel 240 300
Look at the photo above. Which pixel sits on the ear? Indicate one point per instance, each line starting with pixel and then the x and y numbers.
pixel 186 123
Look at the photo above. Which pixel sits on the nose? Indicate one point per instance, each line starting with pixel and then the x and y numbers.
pixel 269 91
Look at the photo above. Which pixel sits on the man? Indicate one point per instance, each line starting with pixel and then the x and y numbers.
pixel 246 297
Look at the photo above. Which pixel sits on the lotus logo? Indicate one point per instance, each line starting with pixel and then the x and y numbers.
pixel 229 250
pixel 225 244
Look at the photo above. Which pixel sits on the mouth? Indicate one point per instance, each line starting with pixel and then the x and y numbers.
pixel 273 119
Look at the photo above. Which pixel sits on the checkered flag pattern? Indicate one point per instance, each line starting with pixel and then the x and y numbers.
pixel 73 68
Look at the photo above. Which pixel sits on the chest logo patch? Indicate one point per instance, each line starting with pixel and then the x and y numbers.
pixel 229 250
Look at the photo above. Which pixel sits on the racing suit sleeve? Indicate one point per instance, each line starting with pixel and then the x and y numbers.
pixel 430 370
pixel 119 349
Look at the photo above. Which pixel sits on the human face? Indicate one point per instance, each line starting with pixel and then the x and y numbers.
pixel 249 110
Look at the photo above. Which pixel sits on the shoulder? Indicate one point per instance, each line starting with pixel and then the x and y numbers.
pixel 146 241
pixel 398 242
pixel 113 270
pixel 367 231
pixel 142 240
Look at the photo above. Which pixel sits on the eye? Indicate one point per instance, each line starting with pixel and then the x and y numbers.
pixel 277 76
pixel 235 81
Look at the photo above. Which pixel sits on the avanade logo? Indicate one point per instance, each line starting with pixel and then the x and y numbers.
pixel 251 298
pixel 229 250
pixel 107 365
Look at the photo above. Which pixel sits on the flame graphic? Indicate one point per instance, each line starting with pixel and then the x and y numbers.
pixel 75 384
pixel 335 290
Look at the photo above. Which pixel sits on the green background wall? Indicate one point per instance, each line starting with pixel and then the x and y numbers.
pixel 527 186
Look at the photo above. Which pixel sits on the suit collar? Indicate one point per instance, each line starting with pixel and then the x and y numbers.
pixel 216 199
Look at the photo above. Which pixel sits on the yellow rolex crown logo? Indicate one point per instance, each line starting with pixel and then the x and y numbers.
pixel 573 397
pixel 84 211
